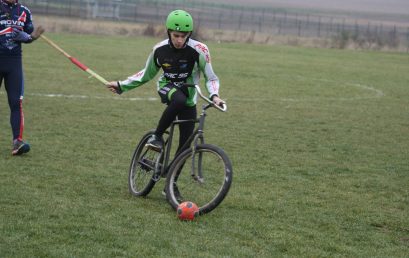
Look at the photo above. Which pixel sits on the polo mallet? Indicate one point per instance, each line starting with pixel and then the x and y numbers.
pixel 75 61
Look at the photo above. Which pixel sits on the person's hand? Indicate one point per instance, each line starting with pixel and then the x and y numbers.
pixel 218 101
pixel 21 36
pixel 37 32
pixel 114 87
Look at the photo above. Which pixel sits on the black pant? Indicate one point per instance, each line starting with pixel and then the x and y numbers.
pixel 11 70
pixel 177 108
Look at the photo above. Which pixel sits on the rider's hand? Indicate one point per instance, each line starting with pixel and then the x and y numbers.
pixel 37 32
pixel 218 101
pixel 21 36
pixel 114 87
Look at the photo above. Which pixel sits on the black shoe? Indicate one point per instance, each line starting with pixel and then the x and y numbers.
pixel 155 143
pixel 20 147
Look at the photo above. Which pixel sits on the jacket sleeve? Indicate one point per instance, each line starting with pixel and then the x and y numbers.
pixel 212 81
pixel 28 25
pixel 141 77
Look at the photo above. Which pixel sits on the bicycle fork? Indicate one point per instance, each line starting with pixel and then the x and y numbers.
pixel 198 177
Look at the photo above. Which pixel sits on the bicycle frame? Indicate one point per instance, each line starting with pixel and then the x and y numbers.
pixel 196 137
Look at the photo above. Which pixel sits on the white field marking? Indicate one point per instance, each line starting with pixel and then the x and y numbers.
pixel 56 95
pixel 375 92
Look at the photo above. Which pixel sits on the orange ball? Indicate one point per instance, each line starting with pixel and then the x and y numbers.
pixel 187 211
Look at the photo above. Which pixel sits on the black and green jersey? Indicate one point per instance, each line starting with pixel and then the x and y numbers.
pixel 178 65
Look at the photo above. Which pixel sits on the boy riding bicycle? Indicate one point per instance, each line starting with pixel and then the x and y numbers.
pixel 181 59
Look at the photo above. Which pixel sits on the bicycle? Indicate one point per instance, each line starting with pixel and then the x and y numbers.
pixel 201 173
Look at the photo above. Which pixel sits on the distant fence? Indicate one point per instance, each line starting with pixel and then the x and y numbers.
pixel 227 17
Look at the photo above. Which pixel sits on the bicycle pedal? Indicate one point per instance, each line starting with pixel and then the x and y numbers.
pixel 154 148
pixel 156 177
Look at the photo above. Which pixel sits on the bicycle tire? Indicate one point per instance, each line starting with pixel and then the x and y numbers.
pixel 217 178
pixel 143 168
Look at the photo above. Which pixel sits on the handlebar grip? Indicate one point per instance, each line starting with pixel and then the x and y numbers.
pixel 223 107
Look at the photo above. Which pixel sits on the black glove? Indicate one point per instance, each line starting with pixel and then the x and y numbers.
pixel 21 36
pixel 118 89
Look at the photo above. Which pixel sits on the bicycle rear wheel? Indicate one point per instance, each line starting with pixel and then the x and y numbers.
pixel 203 177
pixel 144 168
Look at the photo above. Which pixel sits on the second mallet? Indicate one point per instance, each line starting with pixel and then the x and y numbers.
pixel 75 61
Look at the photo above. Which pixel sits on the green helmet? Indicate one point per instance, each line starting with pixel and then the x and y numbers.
pixel 179 20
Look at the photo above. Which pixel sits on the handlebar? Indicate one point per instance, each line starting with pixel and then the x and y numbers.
pixel 223 106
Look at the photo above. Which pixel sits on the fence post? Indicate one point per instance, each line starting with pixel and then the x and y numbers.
pixel 69 8
pixel 407 40
pixel 157 10
pixel 299 28
pixel 259 24
pixel 198 20
pixel 272 27
pixel 329 31
pixel 319 26
pixel 232 11
pixel 283 23
pixel 308 21
pixel 136 12
pixel 296 19
pixel 356 30
pixel 220 20
pixel 240 19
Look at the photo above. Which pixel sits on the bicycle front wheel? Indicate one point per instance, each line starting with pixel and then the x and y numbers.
pixel 203 177
pixel 144 168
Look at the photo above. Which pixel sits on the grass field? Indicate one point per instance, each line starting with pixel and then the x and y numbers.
pixel 319 141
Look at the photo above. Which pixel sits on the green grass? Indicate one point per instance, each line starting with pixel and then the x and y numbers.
pixel 318 139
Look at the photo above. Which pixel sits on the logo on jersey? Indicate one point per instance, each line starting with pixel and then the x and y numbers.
pixel 139 74
pixel 19 22
pixel 167 66
pixel 23 17
pixel 176 75
pixel 6 31
pixel 12 23
pixel 204 50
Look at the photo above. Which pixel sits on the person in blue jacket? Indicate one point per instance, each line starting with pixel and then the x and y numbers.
pixel 16 27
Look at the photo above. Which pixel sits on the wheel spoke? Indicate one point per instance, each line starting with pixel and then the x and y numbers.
pixel 143 169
